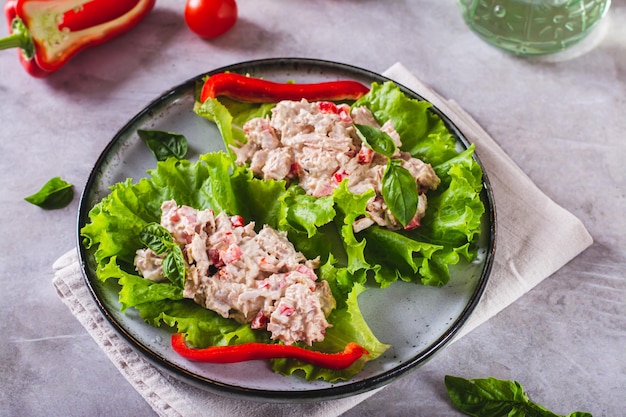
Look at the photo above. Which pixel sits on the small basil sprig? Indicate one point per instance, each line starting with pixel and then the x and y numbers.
pixel 400 192
pixel 399 188
pixel 164 144
pixel 55 194
pixel 156 237
pixel 492 397
pixel 376 139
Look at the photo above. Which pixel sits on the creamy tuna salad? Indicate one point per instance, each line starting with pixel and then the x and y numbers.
pixel 316 143
pixel 257 278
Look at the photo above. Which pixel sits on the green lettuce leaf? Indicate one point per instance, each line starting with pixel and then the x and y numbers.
pixel 350 207
pixel 455 209
pixel 304 213
pixel 398 256
pixel 200 326
pixel 136 290
pixel 230 116
pixel 424 135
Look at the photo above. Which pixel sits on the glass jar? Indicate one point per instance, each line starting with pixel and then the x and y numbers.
pixel 533 27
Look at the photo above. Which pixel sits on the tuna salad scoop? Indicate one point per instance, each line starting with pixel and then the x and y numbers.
pixel 316 144
pixel 257 278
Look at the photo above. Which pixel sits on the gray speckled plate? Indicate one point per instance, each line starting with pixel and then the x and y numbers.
pixel 417 321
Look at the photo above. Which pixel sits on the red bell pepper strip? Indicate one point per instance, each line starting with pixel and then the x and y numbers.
pixel 256 90
pixel 50 32
pixel 263 351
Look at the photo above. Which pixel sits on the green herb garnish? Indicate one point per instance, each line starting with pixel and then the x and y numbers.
pixel 159 239
pixel 376 139
pixel 163 144
pixel 492 397
pixel 399 188
pixel 55 194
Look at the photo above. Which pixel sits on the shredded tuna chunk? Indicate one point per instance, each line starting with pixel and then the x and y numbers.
pixel 150 265
pixel 257 278
pixel 316 144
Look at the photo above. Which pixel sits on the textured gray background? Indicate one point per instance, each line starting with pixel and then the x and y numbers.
pixel 562 121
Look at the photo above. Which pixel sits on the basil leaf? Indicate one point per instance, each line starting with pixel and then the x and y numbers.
pixel 492 397
pixel 164 144
pixel 174 266
pixel 159 239
pixel 156 237
pixel 400 192
pixel 55 194
pixel 376 139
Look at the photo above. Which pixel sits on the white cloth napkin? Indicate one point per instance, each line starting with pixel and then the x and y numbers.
pixel 535 238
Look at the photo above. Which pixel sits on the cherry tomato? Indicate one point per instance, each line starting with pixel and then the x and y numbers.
pixel 210 18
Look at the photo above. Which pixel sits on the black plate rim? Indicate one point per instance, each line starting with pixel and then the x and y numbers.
pixel 332 392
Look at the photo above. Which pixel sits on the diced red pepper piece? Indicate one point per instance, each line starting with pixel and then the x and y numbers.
pixel 340 176
pixel 286 310
pixel 303 269
pixel 328 107
pixel 237 221
pixel 256 90
pixel 232 254
pixel 295 170
pixel 343 110
pixel 365 155
pixel 259 321
pixel 264 351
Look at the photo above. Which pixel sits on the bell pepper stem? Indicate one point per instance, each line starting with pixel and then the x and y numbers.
pixel 19 38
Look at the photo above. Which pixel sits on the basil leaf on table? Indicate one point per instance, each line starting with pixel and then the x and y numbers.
pixel 492 397
pixel 164 144
pixel 400 192
pixel 55 194
pixel 376 139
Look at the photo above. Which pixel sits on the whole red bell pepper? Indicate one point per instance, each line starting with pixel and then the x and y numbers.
pixel 257 90
pixel 50 32
pixel 264 351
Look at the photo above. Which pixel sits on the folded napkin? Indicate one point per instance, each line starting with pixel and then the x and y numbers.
pixel 535 238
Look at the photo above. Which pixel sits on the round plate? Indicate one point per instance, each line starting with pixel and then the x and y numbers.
pixel 416 320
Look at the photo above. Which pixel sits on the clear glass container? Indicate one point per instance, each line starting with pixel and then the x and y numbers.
pixel 533 27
